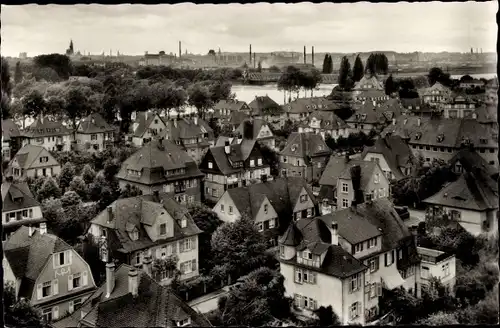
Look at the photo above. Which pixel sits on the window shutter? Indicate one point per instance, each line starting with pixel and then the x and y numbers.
pixel 377 263
pixel 359 281
pixel 379 289
pixel 193 265
pixel 302 302
pixel 70 282
pixel 71 307
pixel 85 278
pixel 393 256
pixel 193 244
pixel 39 291
pixel 385 257
pixel 181 246
pixel 55 287
pixel 313 277
pixel 55 312
pixel 174 248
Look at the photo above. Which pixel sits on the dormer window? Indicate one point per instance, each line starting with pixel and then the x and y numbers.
pixel 483 141
pixel 134 234
pixel 183 222
pixel 307 255
pixel 363 116
pixel 303 198
pixel 162 229
pixel 210 165
pixel 418 136
pixel 184 322
pixel 44 159
pixel 266 208
pixel 440 138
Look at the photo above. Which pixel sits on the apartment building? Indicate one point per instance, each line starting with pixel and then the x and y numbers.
pixel 436 95
pixel 459 106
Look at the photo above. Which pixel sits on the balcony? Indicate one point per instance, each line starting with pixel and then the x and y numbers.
pixel 313 263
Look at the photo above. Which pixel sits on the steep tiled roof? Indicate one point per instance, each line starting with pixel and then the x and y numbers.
pixel 232 105
pixel 153 159
pixel 187 129
pixel 470 160
pixel 45 127
pixel 154 306
pixel 10 130
pixel 236 118
pixel 142 122
pixel 305 145
pixel 94 123
pixel 369 80
pixel 16 196
pixel 308 105
pixel 27 155
pixel 282 193
pixel 263 104
pixel 31 253
pixel 371 94
pixel 351 226
pixel 315 236
pixel 396 152
pixel 471 191
pixel 256 125
pixel 338 167
pixel 368 113
pixel 406 127
pixel 134 212
pixel 485 114
pixel 328 120
pixel 435 87
pixel 238 152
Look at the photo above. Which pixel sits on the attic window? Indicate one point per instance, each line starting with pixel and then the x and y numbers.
pixel 183 222
pixel 134 234
pixel 363 116
pixel 440 138
pixel 418 136
pixel 483 141
pixel 294 147
pixel 183 322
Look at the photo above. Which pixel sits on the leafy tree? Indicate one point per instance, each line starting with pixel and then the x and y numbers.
pixel 390 86
pixel 211 52
pixel 67 174
pixel 358 70
pixel 274 69
pixel 200 98
pixel 290 81
pixel 111 169
pixel 77 106
pixel 130 191
pixel 6 89
pixel 259 300
pixel 88 174
pixel 70 198
pixel 345 75
pixel 272 157
pixel 46 74
pixel 326 317
pixel 407 89
pixel 79 186
pixel 61 64
pixel 327 64
pixel 20 313
pixel 91 255
pixel 436 74
pixel 208 221
pixel 440 319
pixel 18 74
pixel 377 63
pixel 34 104
pixel 310 80
pixel 49 189
pixel 238 248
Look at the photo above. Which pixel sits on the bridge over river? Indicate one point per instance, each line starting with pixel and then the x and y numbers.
pixel 268 77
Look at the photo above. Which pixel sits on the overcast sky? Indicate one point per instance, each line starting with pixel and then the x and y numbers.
pixel 134 29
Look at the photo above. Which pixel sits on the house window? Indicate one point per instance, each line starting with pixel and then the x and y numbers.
pixel 345 188
pixel 260 226
pixel 184 322
pixel 163 229
pixel 47 289
pixel 372 242
pixel 93 137
pixel 345 203
pixel 354 283
pixel 266 208
pixel 374 265
pixel 222 208
pixel 377 178
pixel 358 248
pixel 389 258
pixel 272 223
pixel 62 259
pixel 298 276
pixel 446 269
pixel 373 290
pixel 47 315
pixel 138 258
pixel 354 310
pixel 44 159
pixel 77 280
pixel 381 193
pixel 259 161
pixel 303 198
pixel 309 212
pixel 134 235
pixel 282 250
pixel 210 165
pixel 230 209
pixel 425 272
pixel 252 163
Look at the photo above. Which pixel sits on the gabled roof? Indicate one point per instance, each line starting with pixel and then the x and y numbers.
pixel 135 212
pixel 238 153
pixel 485 114
pixel 352 226
pixel 338 167
pixel 282 193
pixel 236 118
pixel 178 129
pixel 142 122
pixel 45 127
pixel 27 155
pixel 471 160
pixel 372 94
pixel 471 191
pixel 154 306
pixel 17 196
pixel 395 151
pixel 368 113
pixel 328 120
pixel 28 255
pixel 315 236
pixel 369 80
pixel 10 130
pixel 232 105
pixel 308 105
pixel 154 159
pixel 256 125
pixel 262 105
pixel 435 87
pixel 94 123
pixel 305 145
pixel 406 127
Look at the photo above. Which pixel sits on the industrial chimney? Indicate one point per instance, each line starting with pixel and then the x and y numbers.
pixel 180 50
pixel 312 55
pixel 250 63
pixel 304 54
pixel 254 60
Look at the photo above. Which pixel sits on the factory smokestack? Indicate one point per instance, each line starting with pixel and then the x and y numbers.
pixel 250 64
pixel 304 54
pixel 254 60
pixel 180 49
pixel 312 55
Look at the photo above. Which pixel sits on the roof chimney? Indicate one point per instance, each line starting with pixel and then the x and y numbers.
pixel 301 129
pixel 175 122
pixel 147 265
pixel 133 285
pixel 43 228
pixel 227 147
pixel 335 233
pixel 31 230
pixel 418 121
pixel 347 157
pixel 110 214
pixel 110 278
pixel 393 121
pixel 195 120
pixel 156 195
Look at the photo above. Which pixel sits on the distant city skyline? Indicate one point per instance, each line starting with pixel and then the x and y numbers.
pixel 342 28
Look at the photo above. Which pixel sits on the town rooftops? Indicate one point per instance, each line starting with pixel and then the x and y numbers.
pixel 305 145
pixel 28 255
pixel 185 128
pixel 239 152
pixel 10 130
pixel 142 122
pixel 470 160
pixel 154 305
pixel 94 123
pixel 396 153
pixel 308 105
pixel 232 105
pixel 45 127
pixel 472 191
pixel 328 120
pixel 136 212
pixel 368 113
pixel 255 124
pixel 484 114
pixel 17 196
pixel 314 235
pixel 27 155
pixel 340 167
pixel 156 158
pixel 263 105
pixel 236 118
pixel 368 82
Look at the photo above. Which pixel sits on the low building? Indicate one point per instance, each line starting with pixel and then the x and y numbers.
pixel 49 134
pixel 33 161
pixel 150 225
pixel 46 271
pixel 145 126
pixel 471 200
pixel 368 82
pixel 377 96
pixel 11 139
pixel 458 107
pixel 19 207
pixel 194 135
pixel 163 166
pixel 94 134
pixel 271 204
pixel 485 115
pixel 305 155
pixel 436 95
pixel 439 265
pixel 130 297
pixel 326 123
pixel 393 155
pixel 259 130
pixel 266 108
pixel 224 108
pixel 300 109
pixel 233 166
pixel 336 183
